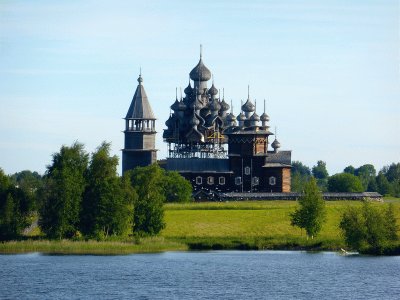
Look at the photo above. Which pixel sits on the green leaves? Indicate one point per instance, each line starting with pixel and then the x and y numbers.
pixel 311 214
pixel 369 228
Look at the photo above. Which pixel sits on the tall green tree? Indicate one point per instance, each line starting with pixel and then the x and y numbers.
pixel 319 171
pixel 321 174
pixel 345 182
pixel 176 187
pixel 149 211
pixel 300 175
pixel 311 213
pixel 16 208
pixel 62 193
pixel 367 174
pixel 107 207
pixel 384 186
pixel 349 169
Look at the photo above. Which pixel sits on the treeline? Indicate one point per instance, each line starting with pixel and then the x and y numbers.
pixel 82 196
pixel 361 179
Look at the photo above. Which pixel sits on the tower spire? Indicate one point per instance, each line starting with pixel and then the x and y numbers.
pixel 201 51
pixel 264 106
pixel 248 91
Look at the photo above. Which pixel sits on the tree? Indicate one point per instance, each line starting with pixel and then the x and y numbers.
pixel 369 228
pixel 16 207
pixel 149 210
pixel 321 174
pixel 383 184
pixel 300 175
pixel 176 187
pixel 366 173
pixel 349 169
pixel 63 192
pixel 345 183
pixel 319 171
pixel 353 228
pixel 311 214
pixel 107 207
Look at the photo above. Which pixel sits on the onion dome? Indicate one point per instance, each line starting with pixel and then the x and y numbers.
pixel 241 117
pixel 224 106
pixel 264 117
pixel 213 90
pixel 200 72
pixel 276 144
pixel 175 106
pixel 194 121
pixel 181 106
pixel 196 104
pixel 188 90
pixel 255 117
pixel 248 106
pixel 230 117
pixel 170 121
pixel 214 105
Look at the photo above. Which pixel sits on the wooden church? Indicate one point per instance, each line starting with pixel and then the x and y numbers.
pixel 215 150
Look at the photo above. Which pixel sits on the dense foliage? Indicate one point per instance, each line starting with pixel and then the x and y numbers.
pixel 311 213
pixel 64 186
pixel 345 183
pixel 16 208
pixel 369 228
pixel 107 207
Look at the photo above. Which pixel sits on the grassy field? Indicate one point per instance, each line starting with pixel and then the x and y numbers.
pixel 216 225
pixel 252 225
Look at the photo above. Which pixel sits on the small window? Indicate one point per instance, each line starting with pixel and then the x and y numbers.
pixel 199 180
pixel 210 180
pixel 256 181
pixel 238 180
pixel 222 180
pixel 247 171
pixel 272 180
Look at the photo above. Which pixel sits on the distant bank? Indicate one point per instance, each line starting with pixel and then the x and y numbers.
pixel 256 225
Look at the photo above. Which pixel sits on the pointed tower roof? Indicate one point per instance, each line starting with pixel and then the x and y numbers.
pixel 140 107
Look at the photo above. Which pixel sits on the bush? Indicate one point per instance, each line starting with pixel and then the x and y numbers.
pixel 369 229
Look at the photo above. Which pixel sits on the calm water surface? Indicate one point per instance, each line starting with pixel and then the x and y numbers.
pixel 200 275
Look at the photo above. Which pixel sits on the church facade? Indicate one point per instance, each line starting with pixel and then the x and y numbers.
pixel 216 150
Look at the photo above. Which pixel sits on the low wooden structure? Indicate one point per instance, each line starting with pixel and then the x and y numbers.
pixel 211 196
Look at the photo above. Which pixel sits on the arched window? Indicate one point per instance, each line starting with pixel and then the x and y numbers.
pixel 210 180
pixel 272 180
pixel 221 180
pixel 199 180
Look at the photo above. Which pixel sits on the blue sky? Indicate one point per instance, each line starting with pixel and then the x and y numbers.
pixel 329 71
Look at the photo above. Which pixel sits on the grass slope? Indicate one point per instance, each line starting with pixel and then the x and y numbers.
pixel 251 225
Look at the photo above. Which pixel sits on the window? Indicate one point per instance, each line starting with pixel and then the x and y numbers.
pixel 247 171
pixel 272 180
pixel 238 180
pixel 256 181
pixel 210 180
pixel 199 180
pixel 222 180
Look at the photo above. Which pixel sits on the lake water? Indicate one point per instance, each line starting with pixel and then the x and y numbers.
pixel 200 275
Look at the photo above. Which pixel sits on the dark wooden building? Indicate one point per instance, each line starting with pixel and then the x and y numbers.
pixel 140 132
pixel 218 151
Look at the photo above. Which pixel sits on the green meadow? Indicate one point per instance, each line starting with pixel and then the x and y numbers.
pixel 213 225
pixel 252 225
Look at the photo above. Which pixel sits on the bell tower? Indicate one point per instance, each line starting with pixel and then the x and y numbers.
pixel 140 133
